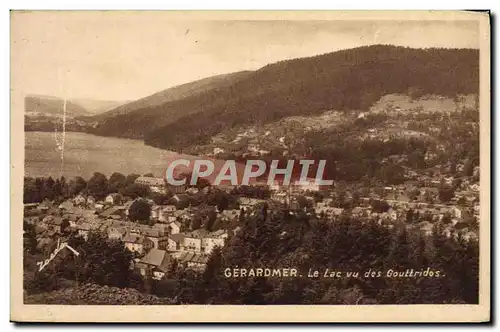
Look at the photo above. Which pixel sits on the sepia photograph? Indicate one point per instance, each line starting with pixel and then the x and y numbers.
pixel 190 166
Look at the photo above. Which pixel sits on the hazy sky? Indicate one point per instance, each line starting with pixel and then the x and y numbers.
pixel 127 55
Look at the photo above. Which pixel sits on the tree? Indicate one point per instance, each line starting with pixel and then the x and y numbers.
pixel 131 178
pixel 116 182
pixel 210 220
pixel 409 216
pixel 202 183
pixel 29 237
pixel 31 191
pixel 446 219
pixel 413 194
pixel 76 185
pixel 415 92
pixel 48 188
pixel 135 190
pixel 446 193
pixel 196 223
pixel 98 185
pixel 140 210
pixel 468 167
pixel 101 261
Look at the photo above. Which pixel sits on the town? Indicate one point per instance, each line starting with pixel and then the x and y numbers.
pixel 160 223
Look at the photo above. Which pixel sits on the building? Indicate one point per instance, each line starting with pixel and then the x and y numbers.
pixel 114 211
pixel 156 185
pixel 155 264
pixel 137 243
pixel 175 242
pixel 159 238
pixel 195 261
pixel 113 199
pixel 308 185
pixel 230 215
pixel 174 227
pixel 327 211
pixel 91 202
pixel 83 230
pixel 192 243
pixel 116 233
pixel 212 240
pixel 54 224
pixel 156 212
pixel 99 206
pixel 249 203
pixel 66 206
pixel 163 213
pixel 180 189
pixel 80 200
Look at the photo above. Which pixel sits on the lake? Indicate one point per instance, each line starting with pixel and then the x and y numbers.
pixel 85 154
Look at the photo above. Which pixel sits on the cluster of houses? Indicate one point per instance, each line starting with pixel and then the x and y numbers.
pixel 165 234
pixel 166 239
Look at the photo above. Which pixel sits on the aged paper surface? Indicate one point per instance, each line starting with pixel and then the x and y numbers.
pixel 144 184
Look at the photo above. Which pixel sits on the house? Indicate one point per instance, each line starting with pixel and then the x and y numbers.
pixel 116 233
pixel 30 208
pixel 44 206
pixel 91 202
pixel 118 211
pixel 156 212
pixel 169 210
pixel 195 261
pixel 159 238
pixel 155 264
pixel 192 243
pixel 308 185
pixel 175 242
pixel 184 215
pixel 230 215
pixel 113 199
pixel 392 214
pixel 127 206
pixel 217 151
pixel 329 212
pixel 99 206
pixel 83 230
pixel 279 196
pixel 180 189
pixel 156 185
pixel 212 240
pixel 174 227
pixel 79 200
pixel 357 211
pixel 192 190
pixel 137 243
pixel 426 228
pixel 55 224
pixel 249 203
pixel 167 213
pixel 66 206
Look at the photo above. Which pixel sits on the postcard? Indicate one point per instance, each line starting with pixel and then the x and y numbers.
pixel 237 166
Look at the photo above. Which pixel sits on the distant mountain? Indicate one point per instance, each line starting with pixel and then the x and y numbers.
pixel 98 106
pixel 50 106
pixel 148 104
pixel 352 79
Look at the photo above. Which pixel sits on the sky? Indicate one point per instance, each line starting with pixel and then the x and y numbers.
pixel 129 55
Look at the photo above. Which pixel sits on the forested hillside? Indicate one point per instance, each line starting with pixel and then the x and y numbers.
pixel 148 112
pixel 343 80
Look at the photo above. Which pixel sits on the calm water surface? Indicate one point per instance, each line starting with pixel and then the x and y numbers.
pixel 85 154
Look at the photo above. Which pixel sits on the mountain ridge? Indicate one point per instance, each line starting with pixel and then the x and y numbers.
pixel 345 80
